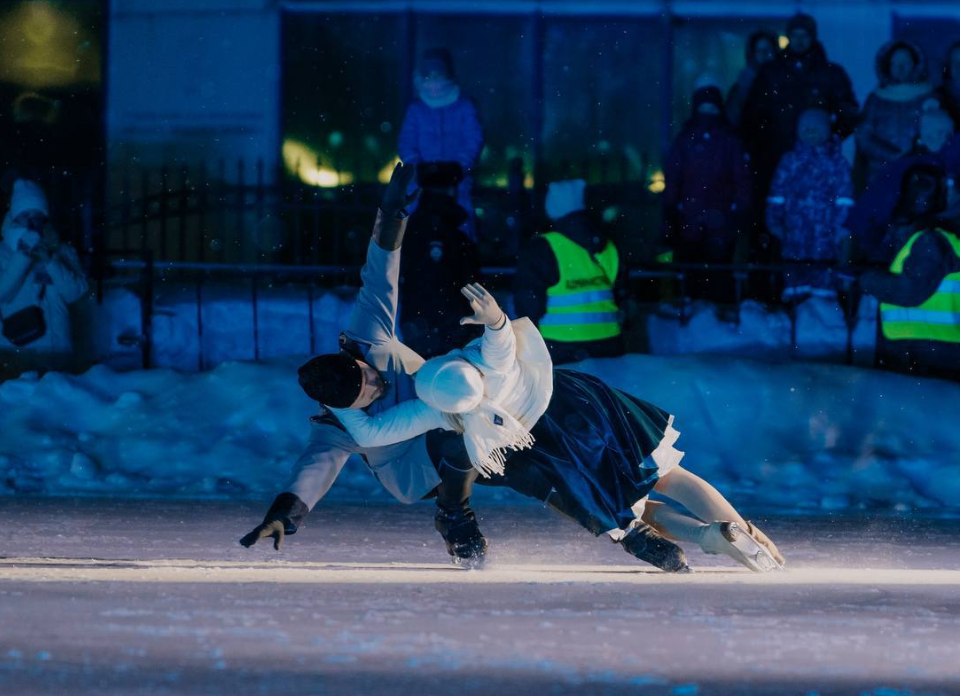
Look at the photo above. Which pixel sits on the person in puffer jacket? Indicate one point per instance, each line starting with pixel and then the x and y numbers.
pixel 890 120
pixel 708 194
pixel 442 126
pixel 809 199
pixel 801 77
pixel 761 49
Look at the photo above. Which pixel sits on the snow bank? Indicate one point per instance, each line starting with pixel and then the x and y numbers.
pixel 235 430
pixel 190 331
pixel 196 331
pixel 792 436
pixel 821 332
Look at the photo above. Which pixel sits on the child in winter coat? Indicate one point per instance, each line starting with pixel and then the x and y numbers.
pixel 808 202
pixel 601 450
pixel 442 126
pixel 707 195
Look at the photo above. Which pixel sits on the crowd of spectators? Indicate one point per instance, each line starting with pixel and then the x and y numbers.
pixel 765 180
pixel 755 175
pixel 760 176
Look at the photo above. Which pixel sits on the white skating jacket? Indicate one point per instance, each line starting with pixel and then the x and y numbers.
pixel 517 377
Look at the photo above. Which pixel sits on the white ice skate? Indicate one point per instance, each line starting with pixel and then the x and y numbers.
pixel 730 539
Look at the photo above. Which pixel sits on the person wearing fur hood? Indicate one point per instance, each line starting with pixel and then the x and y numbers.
pixel 890 120
pixel 36 271
pixel 600 450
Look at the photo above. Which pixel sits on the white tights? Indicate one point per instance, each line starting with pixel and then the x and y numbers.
pixel 699 497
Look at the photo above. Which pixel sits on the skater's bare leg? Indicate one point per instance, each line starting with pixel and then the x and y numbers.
pixel 698 496
pixel 723 530
pixel 672 524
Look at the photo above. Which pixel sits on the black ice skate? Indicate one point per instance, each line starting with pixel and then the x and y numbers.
pixel 459 530
pixel 644 542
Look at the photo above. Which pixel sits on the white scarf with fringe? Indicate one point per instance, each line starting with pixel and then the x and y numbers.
pixel 490 434
pixel 490 431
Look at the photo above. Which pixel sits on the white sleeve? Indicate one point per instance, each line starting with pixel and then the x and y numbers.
pixel 397 424
pixel 499 347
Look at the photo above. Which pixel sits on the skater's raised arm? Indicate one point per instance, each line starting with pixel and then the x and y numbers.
pixel 499 345
pixel 374 315
pixel 396 424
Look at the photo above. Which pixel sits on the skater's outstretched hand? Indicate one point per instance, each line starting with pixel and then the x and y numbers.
pixel 485 308
pixel 267 529
pixel 395 198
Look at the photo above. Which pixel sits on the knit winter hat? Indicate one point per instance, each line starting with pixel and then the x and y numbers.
pixel 755 38
pixel 27 195
pixel 923 193
pixel 803 21
pixel 708 95
pixel 334 379
pixel 565 197
pixel 437 60
pixel 450 384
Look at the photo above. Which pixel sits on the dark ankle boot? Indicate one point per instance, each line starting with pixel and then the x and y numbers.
pixel 645 543
pixel 459 529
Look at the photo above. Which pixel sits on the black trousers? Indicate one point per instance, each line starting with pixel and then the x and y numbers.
pixel 457 476
pixel 449 457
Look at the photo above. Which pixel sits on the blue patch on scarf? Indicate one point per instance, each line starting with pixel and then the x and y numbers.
pixel 497 420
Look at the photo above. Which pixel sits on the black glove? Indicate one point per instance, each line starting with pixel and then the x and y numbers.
pixel 273 529
pixel 395 198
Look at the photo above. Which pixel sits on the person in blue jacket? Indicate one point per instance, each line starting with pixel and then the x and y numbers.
pixel 442 125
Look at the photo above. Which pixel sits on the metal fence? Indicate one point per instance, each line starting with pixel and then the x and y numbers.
pixel 238 212
pixel 233 214
pixel 195 224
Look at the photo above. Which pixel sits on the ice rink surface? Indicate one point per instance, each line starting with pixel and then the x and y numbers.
pixel 156 597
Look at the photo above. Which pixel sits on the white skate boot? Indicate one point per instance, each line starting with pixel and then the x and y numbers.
pixel 730 539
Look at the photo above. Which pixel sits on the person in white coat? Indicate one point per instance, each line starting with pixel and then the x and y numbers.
pixel 40 278
pixel 601 450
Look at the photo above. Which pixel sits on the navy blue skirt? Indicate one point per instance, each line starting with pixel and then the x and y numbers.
pixel 593 446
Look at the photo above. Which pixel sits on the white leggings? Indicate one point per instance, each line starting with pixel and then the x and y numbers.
pixel 703 500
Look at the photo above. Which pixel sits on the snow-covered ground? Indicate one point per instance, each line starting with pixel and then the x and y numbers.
pixel 150 597
pixel 789 437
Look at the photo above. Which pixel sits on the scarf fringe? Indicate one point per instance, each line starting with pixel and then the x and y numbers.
pixel 495 461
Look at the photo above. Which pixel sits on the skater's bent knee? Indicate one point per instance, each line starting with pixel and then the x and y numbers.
pixel 672 478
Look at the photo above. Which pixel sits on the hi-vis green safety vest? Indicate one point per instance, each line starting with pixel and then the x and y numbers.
pixel 581 306
pixel 937 319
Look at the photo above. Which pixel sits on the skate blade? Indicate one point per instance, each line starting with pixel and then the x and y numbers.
pixel 754 555
pixel 469 563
